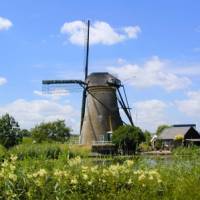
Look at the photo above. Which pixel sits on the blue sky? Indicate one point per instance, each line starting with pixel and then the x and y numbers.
pixel 152 46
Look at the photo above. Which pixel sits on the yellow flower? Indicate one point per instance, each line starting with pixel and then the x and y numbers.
pixel 84 168
pixel 74 181
pixel 75 161
pixel 89 182
pixel 13 158
pixel 150 177
pixel 129 163
pixel 12 167
pixel 141 177
pixel 85 176
pixel 42 172
pixel 12 177
pixel 5 164
pixel 129 181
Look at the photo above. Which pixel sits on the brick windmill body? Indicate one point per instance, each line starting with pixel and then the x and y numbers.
pixel 101 95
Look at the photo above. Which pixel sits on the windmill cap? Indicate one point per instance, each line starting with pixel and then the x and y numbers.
pixel 102 79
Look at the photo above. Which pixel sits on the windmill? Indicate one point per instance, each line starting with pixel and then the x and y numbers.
pixel 100 98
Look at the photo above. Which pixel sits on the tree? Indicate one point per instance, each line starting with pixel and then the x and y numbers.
pixel 9 131
pixel 128 138
pixel 56 130
pixel 25 133
pixel 147 136
pixel 161 128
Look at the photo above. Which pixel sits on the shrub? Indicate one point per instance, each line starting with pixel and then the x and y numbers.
pixel 39 151
pixel 179 138
pixel 51 131
pixel 128 138
pixel 158 144
pixel 9 131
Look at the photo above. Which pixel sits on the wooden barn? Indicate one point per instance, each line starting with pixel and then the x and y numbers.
pixel 187 131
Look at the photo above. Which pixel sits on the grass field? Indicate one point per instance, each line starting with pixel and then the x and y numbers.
pixel 60 171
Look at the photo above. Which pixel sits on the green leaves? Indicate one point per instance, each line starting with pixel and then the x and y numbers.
pixel 9 131
pixel 128 138
pixel 51 130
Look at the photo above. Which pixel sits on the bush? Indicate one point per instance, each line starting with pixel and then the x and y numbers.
pixel 144 147
pixel 158 144
pixel 3 152
pixel 39 151
pixel 9 131
pixel 128 138
pixel 51 131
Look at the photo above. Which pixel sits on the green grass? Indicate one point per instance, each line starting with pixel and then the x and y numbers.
pixel 57 171
pixel 183 151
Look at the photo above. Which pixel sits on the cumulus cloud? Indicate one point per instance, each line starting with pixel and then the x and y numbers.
pixel 30 113
pixel 191 105
pixel 132 31
pixel 5 24
pixel 3 81
pixel 150 114
pixel 100 33
pixel 189 71
pixel 54 95
pixel 152 73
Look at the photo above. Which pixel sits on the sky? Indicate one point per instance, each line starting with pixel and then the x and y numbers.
pixel 153 47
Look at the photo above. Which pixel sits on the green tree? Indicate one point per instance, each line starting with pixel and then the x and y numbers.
pixel 147 136
pixel 161 128
pixel 9 131
pixel 25 133
pixel 56 130
pixel 128 138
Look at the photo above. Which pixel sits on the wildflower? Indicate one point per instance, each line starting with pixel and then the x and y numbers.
pixel 89 182
pixel 12 167
pixel 129 163
pixel 141 177
pixel 129 181
pixel 74 181
pixel 75 161
pixel 60 174
pixel 5 164
pixel 94 169
pixel 143 185
pixel 42 172
pixel 13 158
pixel 85 176
pixel 12 177
pixel 84 168
pixel 150 177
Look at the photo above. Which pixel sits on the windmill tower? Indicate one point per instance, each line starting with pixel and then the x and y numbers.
pixel 101 95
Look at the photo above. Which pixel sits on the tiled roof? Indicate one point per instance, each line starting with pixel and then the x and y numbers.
pixel 170 133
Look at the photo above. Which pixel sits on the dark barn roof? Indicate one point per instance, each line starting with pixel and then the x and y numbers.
pixel 188 132
pixel 170 133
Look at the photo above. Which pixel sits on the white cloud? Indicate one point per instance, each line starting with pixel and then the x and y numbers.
pixel 150 114
pixel 54 95
pixel 152 73
pixel 132 31
pixel 193 70
pixel 30 113
pixel 5 24
pixel 100 33
pixel 190 106
pixel 3 80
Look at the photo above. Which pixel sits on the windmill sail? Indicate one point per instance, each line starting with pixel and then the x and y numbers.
pixel 86 75
pixel 100 111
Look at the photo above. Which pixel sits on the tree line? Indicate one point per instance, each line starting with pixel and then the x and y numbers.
pixel 126 138
pixel 11 134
